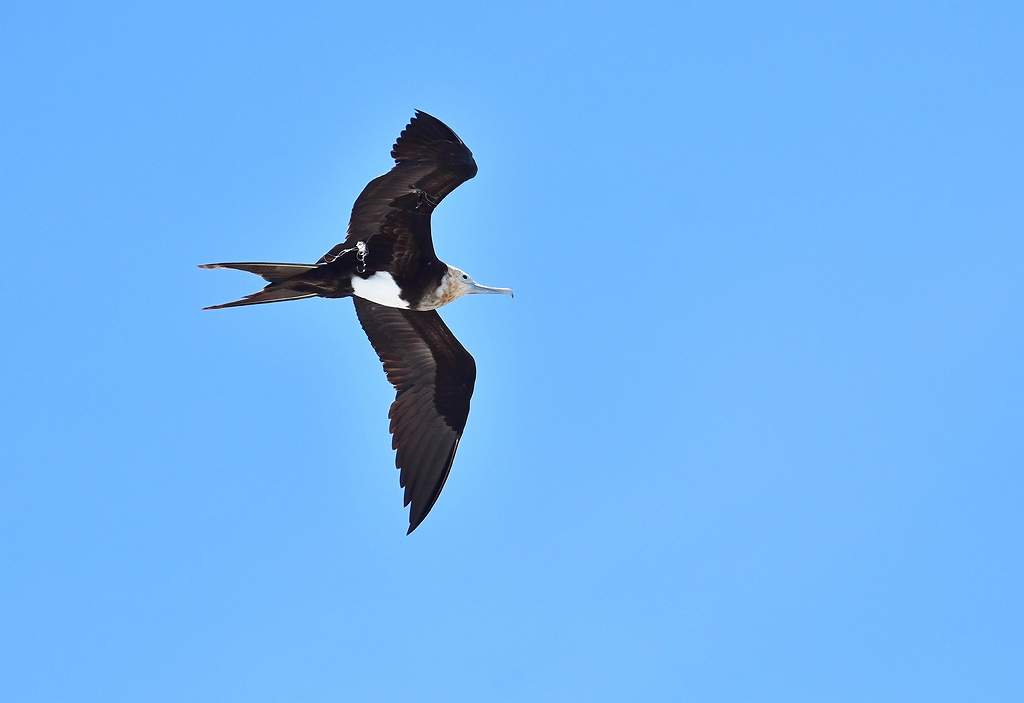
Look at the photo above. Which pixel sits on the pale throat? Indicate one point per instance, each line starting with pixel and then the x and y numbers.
pixel 448 290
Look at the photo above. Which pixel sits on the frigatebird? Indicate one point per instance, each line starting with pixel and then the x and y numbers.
pixel 388 267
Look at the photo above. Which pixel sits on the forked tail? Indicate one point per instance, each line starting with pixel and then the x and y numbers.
pixel 278 276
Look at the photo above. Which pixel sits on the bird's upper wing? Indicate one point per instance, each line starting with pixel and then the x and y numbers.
pixel 394 209
pixel 434 376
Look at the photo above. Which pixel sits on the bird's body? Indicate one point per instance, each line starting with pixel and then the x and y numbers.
pixel 388 266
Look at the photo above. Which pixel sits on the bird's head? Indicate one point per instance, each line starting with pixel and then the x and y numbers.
pixel 460 283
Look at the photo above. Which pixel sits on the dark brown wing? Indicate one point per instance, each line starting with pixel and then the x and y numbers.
pixel 434 376
pixel 392 214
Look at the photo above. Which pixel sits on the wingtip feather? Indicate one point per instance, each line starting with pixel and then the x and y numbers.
pixel 427 138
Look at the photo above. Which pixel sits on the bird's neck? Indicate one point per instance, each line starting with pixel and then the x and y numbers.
pixel 447 290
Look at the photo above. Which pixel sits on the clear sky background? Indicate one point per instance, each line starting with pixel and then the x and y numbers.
pixel 751 430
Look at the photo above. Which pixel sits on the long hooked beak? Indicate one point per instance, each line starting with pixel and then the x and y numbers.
pixel 477 288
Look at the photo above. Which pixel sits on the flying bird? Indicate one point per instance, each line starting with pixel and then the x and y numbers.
pixel 388 267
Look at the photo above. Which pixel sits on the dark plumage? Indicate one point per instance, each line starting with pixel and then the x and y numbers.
pixel 388 266
pixel 434 376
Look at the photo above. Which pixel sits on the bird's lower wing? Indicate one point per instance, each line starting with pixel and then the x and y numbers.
pixel 434 376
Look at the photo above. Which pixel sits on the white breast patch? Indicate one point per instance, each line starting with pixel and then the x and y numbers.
pixel 379 288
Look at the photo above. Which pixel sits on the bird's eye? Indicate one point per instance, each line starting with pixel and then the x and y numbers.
pixel 465 277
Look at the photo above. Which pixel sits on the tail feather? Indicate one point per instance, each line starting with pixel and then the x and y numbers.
pixel 267 295
pixel 276 274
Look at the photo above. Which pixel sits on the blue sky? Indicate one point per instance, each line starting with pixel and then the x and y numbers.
pixel 751 429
